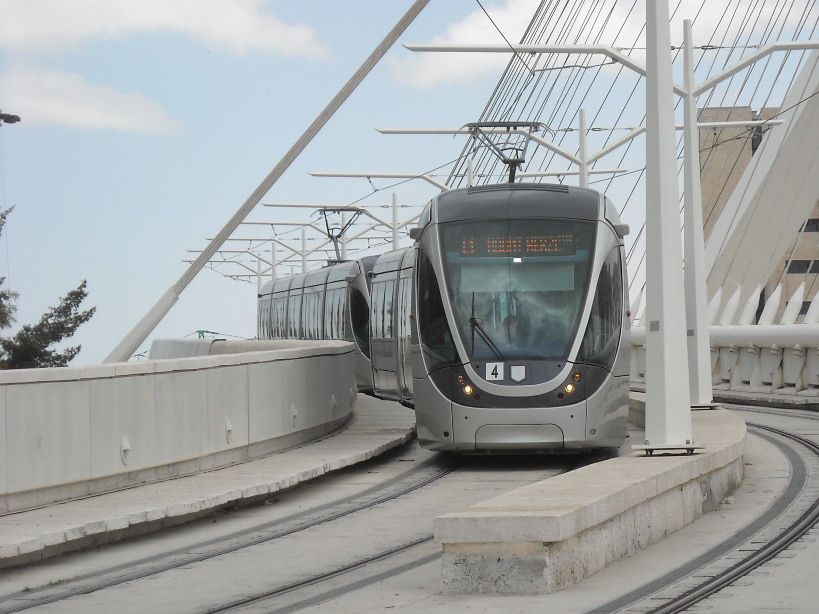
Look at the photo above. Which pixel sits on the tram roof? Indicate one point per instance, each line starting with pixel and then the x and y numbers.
pixel 516 200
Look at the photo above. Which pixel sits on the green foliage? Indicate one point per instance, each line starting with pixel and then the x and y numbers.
pixel 7 297
pixel 30 347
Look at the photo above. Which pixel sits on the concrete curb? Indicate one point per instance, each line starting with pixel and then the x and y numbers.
pixel 788 401
pixel 377 426
pixel 547 535
pixel 747 397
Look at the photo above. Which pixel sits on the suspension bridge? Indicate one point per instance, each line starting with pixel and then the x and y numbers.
pixel 699 123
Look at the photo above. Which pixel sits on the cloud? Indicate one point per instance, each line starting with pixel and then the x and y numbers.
pixel 57 98
pixel 237 25
pixel 625 28
pixel 423 70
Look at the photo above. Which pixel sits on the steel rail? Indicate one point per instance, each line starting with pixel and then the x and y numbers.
pixel 787 537
pixel 278 591
pixel 259 534
pixel 319 578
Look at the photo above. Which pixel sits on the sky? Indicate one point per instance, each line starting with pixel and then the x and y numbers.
pixel 146 124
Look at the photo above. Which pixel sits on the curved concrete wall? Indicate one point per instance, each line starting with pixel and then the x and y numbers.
pixel 70 432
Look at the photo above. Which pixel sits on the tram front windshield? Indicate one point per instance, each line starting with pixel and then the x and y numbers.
pixel 517 286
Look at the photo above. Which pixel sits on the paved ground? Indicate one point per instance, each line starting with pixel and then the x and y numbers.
pixel 418 589
pixel 782 585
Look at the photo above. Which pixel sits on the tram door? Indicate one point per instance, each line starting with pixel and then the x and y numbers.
pixel 403 316
pixel 383 338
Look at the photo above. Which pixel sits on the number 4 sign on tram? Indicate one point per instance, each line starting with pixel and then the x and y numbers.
pixel 494 371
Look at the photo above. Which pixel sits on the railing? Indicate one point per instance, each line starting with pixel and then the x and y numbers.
pixel 780 359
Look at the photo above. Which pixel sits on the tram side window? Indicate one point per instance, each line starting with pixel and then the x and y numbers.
pixel 333 314
pixel 436 338
pixel 315 316
pixel 404 298
pixel 294 316
pixel 283 302
pixel 360 317
pixel 377 313
pixel 389 293
pixel 382 308
pixel 278 319
pixel 329 312
pixel 605 320
pixel 340 309
pixel 311 320
pixel 318 314
pixel 309 301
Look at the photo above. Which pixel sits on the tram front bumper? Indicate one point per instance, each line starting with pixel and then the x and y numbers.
pixel 525 429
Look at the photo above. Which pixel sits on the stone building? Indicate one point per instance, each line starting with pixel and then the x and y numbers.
pixel 724 155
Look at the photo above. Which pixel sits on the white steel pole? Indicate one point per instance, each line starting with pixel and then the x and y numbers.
pixel 696 304
pixel 470 172
pixel 394 220
pixel 582 151
pixel 146 325
pixel 258 275
pixel 668 411
pixel 273 275
pixel 343 238
pixel 303 250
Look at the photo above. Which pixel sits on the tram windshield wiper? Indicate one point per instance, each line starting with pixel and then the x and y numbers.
pixel 477 326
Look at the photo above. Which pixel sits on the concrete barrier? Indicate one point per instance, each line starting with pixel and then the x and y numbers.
pixel 72 432
pixel 547 535
pixel 164 349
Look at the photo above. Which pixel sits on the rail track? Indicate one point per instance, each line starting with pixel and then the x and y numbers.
pixel 289 588
pixel 795 501
pixel 415 479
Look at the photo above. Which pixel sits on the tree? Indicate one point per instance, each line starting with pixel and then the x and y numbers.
pixel 30 347
pixel 7 297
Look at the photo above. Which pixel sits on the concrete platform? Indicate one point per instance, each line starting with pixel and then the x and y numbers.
pixel 376 426
pixel 545 536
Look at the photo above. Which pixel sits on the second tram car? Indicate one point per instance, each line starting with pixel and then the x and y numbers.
pixel 331 303
pixel 504 326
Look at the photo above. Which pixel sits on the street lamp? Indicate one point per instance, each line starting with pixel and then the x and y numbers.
pixel 8 118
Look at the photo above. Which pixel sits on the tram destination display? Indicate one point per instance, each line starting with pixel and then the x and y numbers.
pixel 559 244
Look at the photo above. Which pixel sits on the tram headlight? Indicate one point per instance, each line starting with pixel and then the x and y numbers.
pixel 569 388
pixel 468 390
pixel 577 377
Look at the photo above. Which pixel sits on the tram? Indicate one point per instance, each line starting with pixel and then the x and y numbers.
pixel 504 326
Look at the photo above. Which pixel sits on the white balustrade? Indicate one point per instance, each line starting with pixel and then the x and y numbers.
pixel 780 359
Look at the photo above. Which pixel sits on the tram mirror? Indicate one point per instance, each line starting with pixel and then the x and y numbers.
pixel 415 233
pixel 621 229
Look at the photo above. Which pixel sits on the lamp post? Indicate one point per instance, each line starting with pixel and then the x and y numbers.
pixel 8 118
